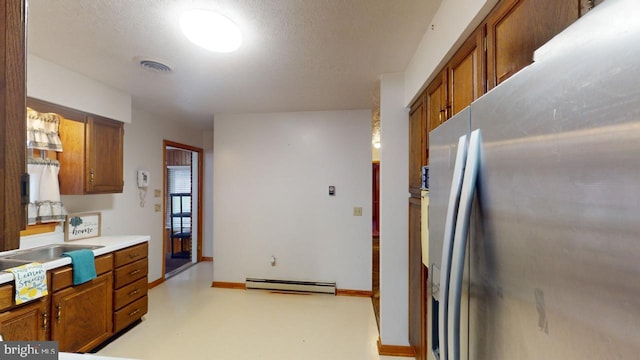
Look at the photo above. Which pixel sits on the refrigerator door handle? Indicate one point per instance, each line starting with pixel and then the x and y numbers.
pixel 460 238
pixel 447 245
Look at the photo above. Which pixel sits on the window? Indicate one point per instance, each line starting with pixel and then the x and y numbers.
pixel 178 181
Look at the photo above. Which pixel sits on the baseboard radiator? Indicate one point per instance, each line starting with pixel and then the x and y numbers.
pixel 292 286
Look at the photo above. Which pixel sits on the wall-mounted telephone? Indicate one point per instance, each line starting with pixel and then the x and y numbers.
pixel 143 178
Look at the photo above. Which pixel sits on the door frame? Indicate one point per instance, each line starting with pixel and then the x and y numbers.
pixel 168 143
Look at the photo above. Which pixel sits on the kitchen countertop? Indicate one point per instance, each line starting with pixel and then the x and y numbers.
pixel 109 243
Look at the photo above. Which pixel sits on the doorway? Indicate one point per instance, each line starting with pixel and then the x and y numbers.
pixel 182 225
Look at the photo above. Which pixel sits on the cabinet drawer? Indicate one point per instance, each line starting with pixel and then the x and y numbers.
pixel 7 294
pixel 130 292
pixel 131 254
pixel 63 277
pixel 131 272
pixel 130 313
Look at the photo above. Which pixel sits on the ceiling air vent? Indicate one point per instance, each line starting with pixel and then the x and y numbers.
pixel 155 66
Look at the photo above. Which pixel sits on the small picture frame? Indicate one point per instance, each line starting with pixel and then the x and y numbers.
pixel 82 226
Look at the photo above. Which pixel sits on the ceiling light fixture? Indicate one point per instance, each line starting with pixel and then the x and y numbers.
pixel 211 30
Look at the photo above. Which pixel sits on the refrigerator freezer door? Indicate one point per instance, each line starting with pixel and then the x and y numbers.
pixel 443 149
pixel 555 247
pixel 457 288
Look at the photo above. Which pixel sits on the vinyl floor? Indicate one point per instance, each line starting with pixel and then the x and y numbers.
pixel 188 319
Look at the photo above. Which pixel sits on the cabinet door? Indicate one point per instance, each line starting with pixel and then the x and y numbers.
pixel 465 73
pixel 516 28
pixel 417 311
pixel 418 146
pixel 436 95
pixel 26 323
pixel 13 124
pixel 104 155
pixel 82 315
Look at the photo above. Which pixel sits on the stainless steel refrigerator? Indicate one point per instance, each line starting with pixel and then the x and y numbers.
pixel 534 214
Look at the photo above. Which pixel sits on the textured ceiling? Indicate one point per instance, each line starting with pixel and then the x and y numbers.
pixel 297 55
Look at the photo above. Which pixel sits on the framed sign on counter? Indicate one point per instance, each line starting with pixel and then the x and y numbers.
pixel 82 226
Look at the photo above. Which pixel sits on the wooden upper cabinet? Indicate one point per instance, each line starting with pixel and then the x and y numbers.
pixel 436 100
pixel 418 146
pixel 93 146
pixel 465 73
pixel 516 28
pixel 12 123
pixel 91 161
pixel 104 156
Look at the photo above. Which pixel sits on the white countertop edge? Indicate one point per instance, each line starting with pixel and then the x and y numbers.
pixel 109 243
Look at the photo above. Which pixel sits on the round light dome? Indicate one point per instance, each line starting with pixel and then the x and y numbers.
pixel 211 30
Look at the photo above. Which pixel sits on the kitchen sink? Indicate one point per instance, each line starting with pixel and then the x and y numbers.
pixel 8 264
pixel 47 252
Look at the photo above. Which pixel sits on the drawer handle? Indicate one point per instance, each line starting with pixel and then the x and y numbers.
pixel 136 271
pixel 133 256
pixel 44 321
pixel 134 292
pixel 134 312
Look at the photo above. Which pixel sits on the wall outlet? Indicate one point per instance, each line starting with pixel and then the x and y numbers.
pixel 157 193
pixel 357 211
pixel 157 207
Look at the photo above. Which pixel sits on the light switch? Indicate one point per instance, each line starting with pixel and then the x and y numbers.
pixel 357 211
pixel 157 193
pixel 157 207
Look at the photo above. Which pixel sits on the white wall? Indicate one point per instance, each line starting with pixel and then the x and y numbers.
pixel 207 196
pixel 394 194
pixel 271 178
pixel 452 24
pixel 143 136
pixel 59 85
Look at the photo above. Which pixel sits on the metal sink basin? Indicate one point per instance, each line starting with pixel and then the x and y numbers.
pixel 8 264
pixel 47 252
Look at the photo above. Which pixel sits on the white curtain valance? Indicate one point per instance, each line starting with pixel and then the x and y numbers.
pixel 42 131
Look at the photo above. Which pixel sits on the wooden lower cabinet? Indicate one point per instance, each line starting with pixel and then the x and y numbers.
pixel 29 322
pixel 81 317
pixel 417 309
pixel 82 314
